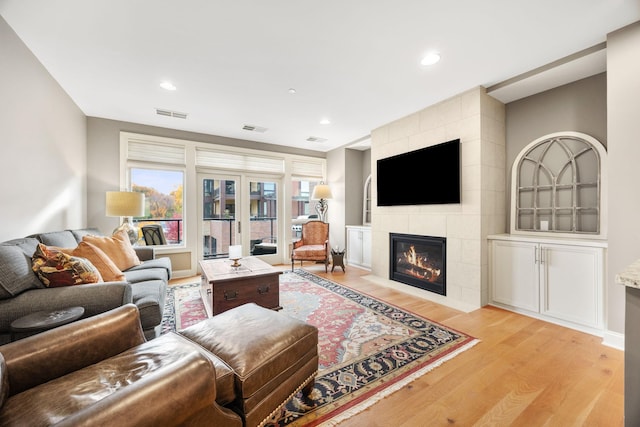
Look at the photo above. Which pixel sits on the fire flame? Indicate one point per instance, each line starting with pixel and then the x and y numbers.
pixel 420 266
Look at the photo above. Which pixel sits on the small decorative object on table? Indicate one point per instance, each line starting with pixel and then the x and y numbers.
pixel 337 258
pixel 235 253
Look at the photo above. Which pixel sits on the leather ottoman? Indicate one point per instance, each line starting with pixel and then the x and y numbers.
pixel 273 356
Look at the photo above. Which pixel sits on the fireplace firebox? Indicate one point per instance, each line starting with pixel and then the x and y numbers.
pixel 418 261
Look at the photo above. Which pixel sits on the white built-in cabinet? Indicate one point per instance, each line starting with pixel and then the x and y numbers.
pixel 359 246
pixel 559 280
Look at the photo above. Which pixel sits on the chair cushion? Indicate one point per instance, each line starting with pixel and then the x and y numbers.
pixel 310 252
pixel 56 268
pixel 117 247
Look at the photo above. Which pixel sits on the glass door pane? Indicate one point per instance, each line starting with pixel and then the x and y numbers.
pixel 219 215
pixel 301 209
pixel 263 217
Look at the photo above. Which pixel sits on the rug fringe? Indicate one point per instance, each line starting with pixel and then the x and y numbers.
pixel 397 386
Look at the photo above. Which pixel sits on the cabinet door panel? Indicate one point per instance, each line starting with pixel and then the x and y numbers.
pixel 515 274
pixel 366 248
pixel 571 283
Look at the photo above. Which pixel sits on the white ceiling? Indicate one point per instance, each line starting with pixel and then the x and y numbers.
pixel 354 62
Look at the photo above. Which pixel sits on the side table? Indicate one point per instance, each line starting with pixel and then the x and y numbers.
pixel 337 260
pixel 43 320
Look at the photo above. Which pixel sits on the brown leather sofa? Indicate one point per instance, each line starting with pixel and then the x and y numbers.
pixel 102 371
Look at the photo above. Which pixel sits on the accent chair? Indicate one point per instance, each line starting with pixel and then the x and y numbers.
pixel 314 244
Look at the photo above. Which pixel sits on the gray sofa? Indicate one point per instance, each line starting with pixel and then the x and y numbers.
pixel 22 293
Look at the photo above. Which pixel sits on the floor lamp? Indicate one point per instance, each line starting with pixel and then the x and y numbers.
pixel 125 204
pixel 321 192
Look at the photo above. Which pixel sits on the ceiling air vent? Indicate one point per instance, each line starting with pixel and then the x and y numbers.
pixel 169 113
pixel 253 128
pixel 316 139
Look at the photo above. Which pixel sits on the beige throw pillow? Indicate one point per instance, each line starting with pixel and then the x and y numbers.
pixel 107 268
pixel 117 247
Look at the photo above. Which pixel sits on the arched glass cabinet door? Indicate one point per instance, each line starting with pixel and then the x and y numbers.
pixel 366 202
pixel 557 186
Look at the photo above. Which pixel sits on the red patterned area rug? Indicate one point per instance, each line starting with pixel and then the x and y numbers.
pixel 368 348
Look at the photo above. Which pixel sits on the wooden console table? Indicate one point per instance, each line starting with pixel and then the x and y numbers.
pixel 224 287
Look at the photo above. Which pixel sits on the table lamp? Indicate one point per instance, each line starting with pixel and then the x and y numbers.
pixel 125 204
pixel 321 192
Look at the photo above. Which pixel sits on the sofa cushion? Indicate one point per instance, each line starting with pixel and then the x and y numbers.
pixel 149 296
pixel 16 275
pixel 55 268
pixel 161 262
pixel 107 268
pixel 81 232
pixel 117 247
pixel 142 275
pixel 61 239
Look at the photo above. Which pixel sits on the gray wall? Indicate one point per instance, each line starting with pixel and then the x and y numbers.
pixel 623 134
pixel 43 136
pixel 354 185
pixel 579 106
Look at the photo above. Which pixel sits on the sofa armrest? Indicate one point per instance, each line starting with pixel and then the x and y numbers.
pixel 95 298
pixel 57 352
pixel 145 253
pixel 184 388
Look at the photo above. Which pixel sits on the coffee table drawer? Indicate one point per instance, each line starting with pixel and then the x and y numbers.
pixel 264 291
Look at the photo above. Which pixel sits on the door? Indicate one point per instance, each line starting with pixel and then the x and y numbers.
pixel 263 237
pixel 571 283
pixel 514 274
pixel 219 214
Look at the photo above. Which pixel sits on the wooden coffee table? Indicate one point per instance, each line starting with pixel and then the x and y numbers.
pixel 224 287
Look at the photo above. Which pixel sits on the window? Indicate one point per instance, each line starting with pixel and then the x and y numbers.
pixel 366 202
pixel 163 190
pixel 557 185
pixel 301 211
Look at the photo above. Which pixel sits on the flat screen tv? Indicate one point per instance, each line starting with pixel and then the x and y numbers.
pixel 428 176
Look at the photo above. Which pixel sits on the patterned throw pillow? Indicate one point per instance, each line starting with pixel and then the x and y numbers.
pixel 55 268
pixel 117 247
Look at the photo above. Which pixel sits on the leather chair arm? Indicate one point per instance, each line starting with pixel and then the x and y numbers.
pixel 57 352
pixel 166 397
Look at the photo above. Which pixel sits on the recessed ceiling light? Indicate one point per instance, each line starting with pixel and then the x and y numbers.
pixel 291 91
pixel 167 86
pixel 325 122
pixel 430 58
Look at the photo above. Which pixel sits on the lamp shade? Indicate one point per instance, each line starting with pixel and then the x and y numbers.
pixel 124 203
pixel 321 191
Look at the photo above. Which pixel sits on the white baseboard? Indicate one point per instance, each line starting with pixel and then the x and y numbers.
pixel 613 339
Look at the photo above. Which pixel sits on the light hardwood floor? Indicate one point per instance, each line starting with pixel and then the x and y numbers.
pixel 523 372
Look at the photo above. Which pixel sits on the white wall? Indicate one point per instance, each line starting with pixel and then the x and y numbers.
pixel 478 120
pixel 43 132
pixel 623 136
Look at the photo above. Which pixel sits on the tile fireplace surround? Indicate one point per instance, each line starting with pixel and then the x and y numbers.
pixel 478 120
